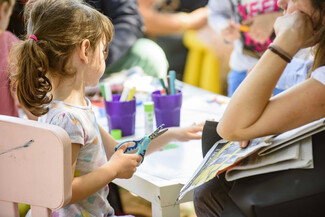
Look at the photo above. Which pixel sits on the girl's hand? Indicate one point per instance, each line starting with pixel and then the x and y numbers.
pixel 261 26
pixel 295 31
pixel 231 33
pixel 176 134
pixel 188 133
pixel 124 164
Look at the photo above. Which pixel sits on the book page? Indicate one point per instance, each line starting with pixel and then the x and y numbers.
pixel 219 160
pixel 298 155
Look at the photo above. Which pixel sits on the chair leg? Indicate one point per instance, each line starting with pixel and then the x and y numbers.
pixel 40 211
pixel 114 199
pixel 8 209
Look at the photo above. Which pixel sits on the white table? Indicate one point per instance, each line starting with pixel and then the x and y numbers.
pixel 162 174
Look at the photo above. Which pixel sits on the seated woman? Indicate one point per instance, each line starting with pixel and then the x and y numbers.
pixel 252 113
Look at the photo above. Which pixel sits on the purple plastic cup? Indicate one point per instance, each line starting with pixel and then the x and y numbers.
pixel 121 115
pixel 167 108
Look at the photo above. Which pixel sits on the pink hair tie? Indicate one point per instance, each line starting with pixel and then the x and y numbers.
pixel 33 37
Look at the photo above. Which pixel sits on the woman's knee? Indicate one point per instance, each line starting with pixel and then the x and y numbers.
pixel 209 198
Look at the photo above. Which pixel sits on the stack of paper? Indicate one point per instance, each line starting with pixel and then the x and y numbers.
pixel 292 149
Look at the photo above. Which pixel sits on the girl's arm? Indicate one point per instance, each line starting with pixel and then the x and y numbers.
pixel 261 26
pixel 108 141
pixel 119 166
pixel 176 134
pixel 251 113
pixel 219 14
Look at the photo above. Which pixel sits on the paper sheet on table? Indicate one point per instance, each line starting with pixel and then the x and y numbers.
pixel 158 164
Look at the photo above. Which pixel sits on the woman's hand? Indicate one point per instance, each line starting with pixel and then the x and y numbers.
pixel 124 164
pixel 243 144
pixel 294 31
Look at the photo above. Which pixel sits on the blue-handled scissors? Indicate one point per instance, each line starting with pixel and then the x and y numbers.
pixel 143 143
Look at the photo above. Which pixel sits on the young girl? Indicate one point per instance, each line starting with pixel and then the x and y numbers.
pixel 225 18
pixel 64 53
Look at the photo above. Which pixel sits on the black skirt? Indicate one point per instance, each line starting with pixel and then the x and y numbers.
pixel 289 193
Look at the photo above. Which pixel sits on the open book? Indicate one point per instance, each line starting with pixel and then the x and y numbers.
pixel 292 149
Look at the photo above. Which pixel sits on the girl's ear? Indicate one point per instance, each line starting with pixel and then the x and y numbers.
pixel 3 8
pixel 84 51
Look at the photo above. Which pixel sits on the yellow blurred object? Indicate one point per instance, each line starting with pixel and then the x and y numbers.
pixel 244 28
pixel 202 68
pixel 23 209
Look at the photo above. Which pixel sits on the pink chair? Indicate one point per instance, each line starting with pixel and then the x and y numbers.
pixel 35 167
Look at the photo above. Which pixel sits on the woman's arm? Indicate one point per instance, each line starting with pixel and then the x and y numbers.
pixel 293 108
pixel 251 113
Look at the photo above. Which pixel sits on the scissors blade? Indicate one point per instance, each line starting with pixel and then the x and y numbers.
pixel 152 135
pixel 158 134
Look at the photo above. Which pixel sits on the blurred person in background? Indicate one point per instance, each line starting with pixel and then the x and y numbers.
pixel 166 21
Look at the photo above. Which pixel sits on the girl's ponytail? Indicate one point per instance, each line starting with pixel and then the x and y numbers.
pixel 33 87
pixel 59 27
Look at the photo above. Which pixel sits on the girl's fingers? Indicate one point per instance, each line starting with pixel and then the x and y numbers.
pixel 122 148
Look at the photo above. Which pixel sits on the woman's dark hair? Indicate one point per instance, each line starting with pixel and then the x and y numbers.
pixel 319 60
